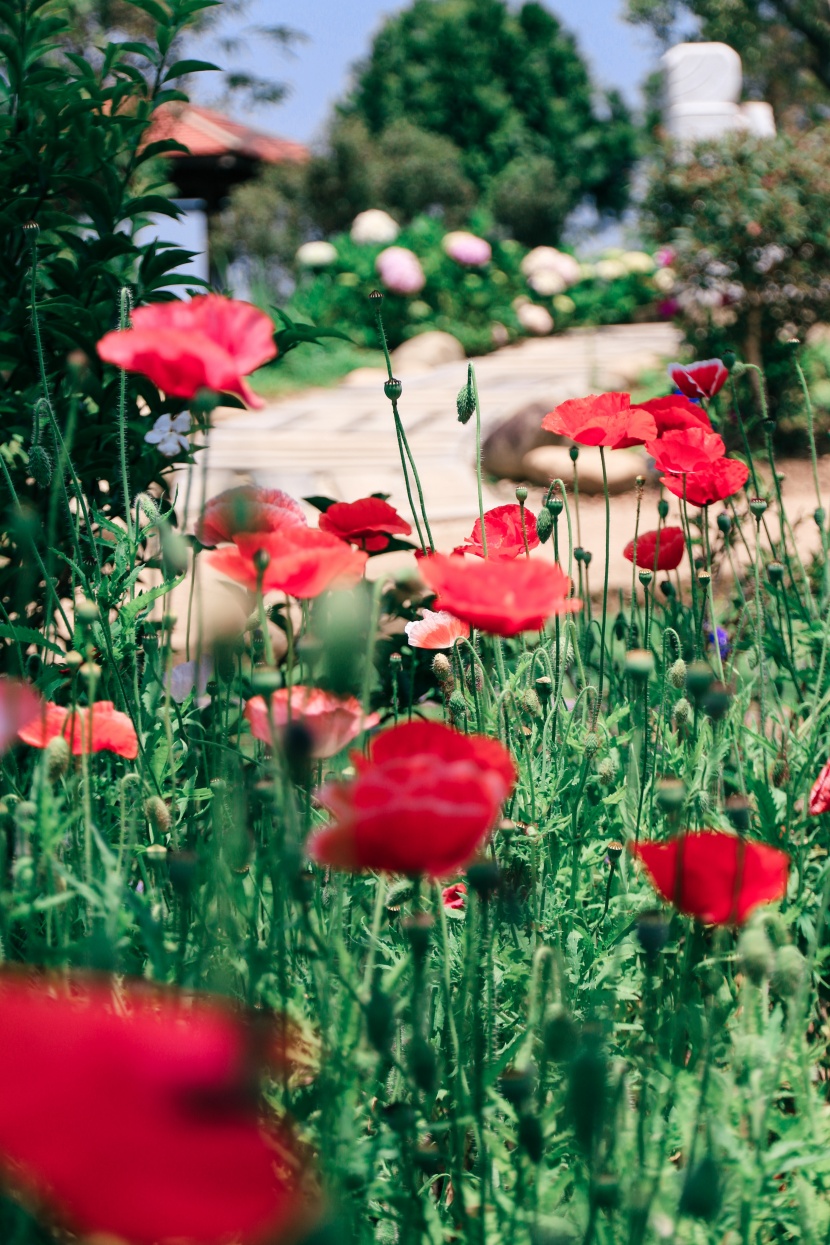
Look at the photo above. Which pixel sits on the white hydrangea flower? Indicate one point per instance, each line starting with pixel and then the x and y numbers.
pixel 316 254
pixel 374 227
pixel 169 434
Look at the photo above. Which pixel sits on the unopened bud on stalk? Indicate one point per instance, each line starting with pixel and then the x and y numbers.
pixel 606 771
pixel 738 811
pixel 465 403
pixel 457 704
pixel 667 589
pixel 758 507
pixel 91 671
pixel 262 560
pixel 704 578
pixel 788 972
pixel 775 573
pixel 531 703
pixel 86 611
pixel 418 929
pixel 574 453
pixel 652 933
pixel 157 813
pixel 393 389
pixel 544 525
pixel 74 661
pixel 682 711
pixel 639 663
pixel 671 793
pixel 701 1196
pixel 40 465
pixel 716 701
pixel 442 668
pixel 265 680
pixel 531 1137
pixel 483 877
pixel 587 556
pixel 57 757
pixel 474 676
pixel 780 772
pixel 699 676
pixel 560 1034
pixel 819 514
pixel 755 955
pixel 662 508
pixel 380 1019
pixel 677 673
pixel 639 484
pixel 590 744
pixel 614 850
pixel 724 523
pixel 579 553
pixel 544 688
pixel 517 1084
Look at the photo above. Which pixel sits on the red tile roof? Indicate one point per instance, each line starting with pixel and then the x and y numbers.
pixel 208 133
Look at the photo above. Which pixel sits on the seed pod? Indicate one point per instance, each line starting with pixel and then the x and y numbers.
pixel 393 389
pixel 724 523
pixel 755 955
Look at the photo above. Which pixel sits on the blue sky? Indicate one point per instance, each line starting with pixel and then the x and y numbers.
pixel 339 32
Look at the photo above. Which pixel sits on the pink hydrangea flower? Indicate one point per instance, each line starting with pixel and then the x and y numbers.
pixel 466 248
pixel 400 271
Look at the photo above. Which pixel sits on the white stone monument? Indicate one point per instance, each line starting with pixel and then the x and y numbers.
pixel 702 85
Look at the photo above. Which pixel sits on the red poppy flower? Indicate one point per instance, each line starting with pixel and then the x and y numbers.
pixel 686 450
pixel 674 413
pixel 100 729
pixel 671 544
pixel 422 801
pixel 503 598
pixel 368 522
pixel 601 419
pixel 332 721
pixel 437 629
pixel 699 380
pixel 454 896
pixel 503 527
pixel 246 509
pixel 303 562
pixel 19 704
pixel 820 794
pixel 210 342
pixel 136 1120
pixel 715 877
pixel 719 480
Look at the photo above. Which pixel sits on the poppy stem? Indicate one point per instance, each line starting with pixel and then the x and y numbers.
pixel 125 301
pixel 471 380
pixel 605 576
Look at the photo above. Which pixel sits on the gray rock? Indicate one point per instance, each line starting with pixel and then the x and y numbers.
pixel 503 450
pixel 551 462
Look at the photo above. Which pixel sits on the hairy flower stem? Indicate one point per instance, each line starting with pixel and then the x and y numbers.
pixel 605 576
pixel 125 300
pixel 471 379
pixel 759 628
pixel 687 532
pixel 635 609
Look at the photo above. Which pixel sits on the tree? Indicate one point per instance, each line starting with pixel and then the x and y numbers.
pixel 784 44
pixel 510 91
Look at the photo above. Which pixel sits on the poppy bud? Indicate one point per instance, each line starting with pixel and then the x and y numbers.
pixel 819 514
pixel 40 465
pixel 620 627
pixel 701 1196
pixel 517 1084
pixel 531 703
pixel 579 553
pixel 699 678
pixel 465 404
pixel 483 877
pixel 262 560
pixel 182 868
pixel 560 1034
pixel 788 971
pixel 738 811
pixel 531 1138
pixel 417 929
pixel 606 771
pixel 422 1064
pixel 86 611
pixel 380 1019
pixel 544 525
pixel 716 701
pixel 605 1191
pixel 639 664
pixel 157 813
pixel 400 1116
pixel 775 573
pixel 574 453
pixel 457 704
pixel 755 955
pixel 724 523
pixel 393 389
pixel 587 1093
pixel 758 507
pixel 544 687
pixel 677 673
pixel 780 772
pixel 57 757
pixel 155 853
pixel 555 505
pixel 671 792
pixel 586 558
pixel 441 668
pixel 728 359
pixel 25 813
pixel 74 660
pixel 652 933
pixel 590 744
pixel 667 589
pixel 427 1157
pixel 662 508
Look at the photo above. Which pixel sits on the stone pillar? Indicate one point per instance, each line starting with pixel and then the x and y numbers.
pixel 702 86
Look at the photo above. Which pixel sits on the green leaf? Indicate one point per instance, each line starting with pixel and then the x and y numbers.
pixel 155 10
pixel 28 635
pixel 320 503
pixel 180 68
pixel 131 609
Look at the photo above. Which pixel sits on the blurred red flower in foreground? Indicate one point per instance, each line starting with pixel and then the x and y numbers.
pixel 717 482
pixel 332 721
pixel 100 729
pixel 503 528
pixel 368 522
pixel 454 896
pixel 137 1120
pixel 301 561
pixel 686 450
pixel 422 801
pixel 246 509
pixel 820 794
pixel 675 412
pixel 671 545
pixel 209 343
pixel 19 704
pixel 503 598
pixel 699 380
pixel 715 877
pixel 437 629
pixel 601 419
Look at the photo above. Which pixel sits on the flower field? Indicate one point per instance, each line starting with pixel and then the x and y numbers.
pixel 454 904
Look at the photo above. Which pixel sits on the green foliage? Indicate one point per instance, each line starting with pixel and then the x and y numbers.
pixel 500 87
pixel 75 185
pixel 747 223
